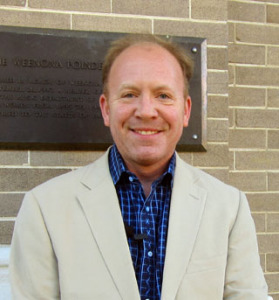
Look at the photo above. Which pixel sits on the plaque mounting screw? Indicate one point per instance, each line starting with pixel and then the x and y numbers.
pixel 194 50
pixel 195 136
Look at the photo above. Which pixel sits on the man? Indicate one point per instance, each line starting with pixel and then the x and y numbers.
pixel 138 223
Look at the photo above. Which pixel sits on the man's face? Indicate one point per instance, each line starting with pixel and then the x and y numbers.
pixel 145 108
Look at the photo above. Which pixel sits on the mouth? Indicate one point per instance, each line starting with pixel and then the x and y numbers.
pixel 146 132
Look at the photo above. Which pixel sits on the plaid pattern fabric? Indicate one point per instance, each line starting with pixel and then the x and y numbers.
pixel 146 216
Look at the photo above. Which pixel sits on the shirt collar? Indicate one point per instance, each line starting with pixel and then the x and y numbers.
pixel 117 166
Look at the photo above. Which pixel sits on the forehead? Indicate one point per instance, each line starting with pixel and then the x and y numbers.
pixel 145 58
pixel 148 50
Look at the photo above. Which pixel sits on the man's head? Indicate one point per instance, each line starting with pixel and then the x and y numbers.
pixel 118 46
pixel 145 105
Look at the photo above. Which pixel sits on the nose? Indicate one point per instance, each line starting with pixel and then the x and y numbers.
pixel 146 107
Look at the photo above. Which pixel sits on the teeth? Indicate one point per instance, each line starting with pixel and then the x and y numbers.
pixel 149 132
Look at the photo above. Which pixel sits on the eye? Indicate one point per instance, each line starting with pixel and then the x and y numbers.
pixel 164 96
pixel 129 95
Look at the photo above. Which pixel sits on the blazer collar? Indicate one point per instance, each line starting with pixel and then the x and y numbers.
pixel 187 206
pixel 98 199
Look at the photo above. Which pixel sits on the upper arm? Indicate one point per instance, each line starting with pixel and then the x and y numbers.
pixel 244 276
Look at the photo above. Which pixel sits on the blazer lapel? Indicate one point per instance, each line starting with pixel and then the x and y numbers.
pixel 187 205
pixel 100 204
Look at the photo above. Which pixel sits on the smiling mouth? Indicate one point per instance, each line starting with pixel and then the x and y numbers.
pixel 146 132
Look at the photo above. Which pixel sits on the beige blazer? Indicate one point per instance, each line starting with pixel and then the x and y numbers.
pixel 69 241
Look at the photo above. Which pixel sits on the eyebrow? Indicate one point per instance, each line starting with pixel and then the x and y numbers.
pixel 132 86
pixel 127 86
pixel 163 87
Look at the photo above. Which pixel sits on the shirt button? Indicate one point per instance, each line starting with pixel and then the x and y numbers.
pixel 150 253
pixel 147 209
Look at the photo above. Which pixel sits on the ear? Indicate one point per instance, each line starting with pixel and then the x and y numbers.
pixel 187 110
pixel 104 105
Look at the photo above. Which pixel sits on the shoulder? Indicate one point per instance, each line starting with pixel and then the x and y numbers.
pixel 199 177
pixel 222 201
pixel 68 184
pixel 217 191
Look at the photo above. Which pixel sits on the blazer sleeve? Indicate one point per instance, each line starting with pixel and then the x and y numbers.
pixel 244 276
pixel 33 265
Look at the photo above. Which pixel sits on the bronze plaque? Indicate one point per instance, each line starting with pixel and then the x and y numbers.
pixel 50 83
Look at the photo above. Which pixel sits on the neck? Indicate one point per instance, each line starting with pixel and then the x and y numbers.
pixel 147 174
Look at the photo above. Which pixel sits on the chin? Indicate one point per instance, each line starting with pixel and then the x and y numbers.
pixel 149 158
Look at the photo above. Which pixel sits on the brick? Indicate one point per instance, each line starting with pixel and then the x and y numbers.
pixel 63 158
pixel 217 82
pixel 13 2
pixel 215 33
pixel 241 96
pixel 241 138
pixel 217 130
pixel 270 1
pixel 246 54
pixel 259 220
pixel 257 34
pixel 268 243
pixel 231 28
pixel 272 281
pixel 216 156
pixel 10 204
pixel 273 56
pixel 257 160
pixel 111 24
pixel 217 107
pixel 177 8
pixel 13 157
pixel 231 117
pixel 262 261
pixel 221 174
pixel 273 181
pixel 187 157
pixel 83 5
pixel 231 70
pixel 274 296
pixel 264 202
pixel 273 222
pixel 248 181
pixel 273 97
pixel 209 10
pixel 217 58
pixel 6 232
pixel 272 262
pixel 34 19
pixel 273 139
pixel 24 179
pixel 262 76
pixel 272 14
pixel 249 12
pixel 257 118
pixel 231 160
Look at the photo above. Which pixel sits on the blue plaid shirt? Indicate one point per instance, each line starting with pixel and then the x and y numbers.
pixel 146 216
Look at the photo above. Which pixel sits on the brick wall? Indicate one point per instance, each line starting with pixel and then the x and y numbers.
pixel 253 52
pixel 243 97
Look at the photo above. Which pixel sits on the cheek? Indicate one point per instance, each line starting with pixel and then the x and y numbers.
pixel 121 113
pixel 174 117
